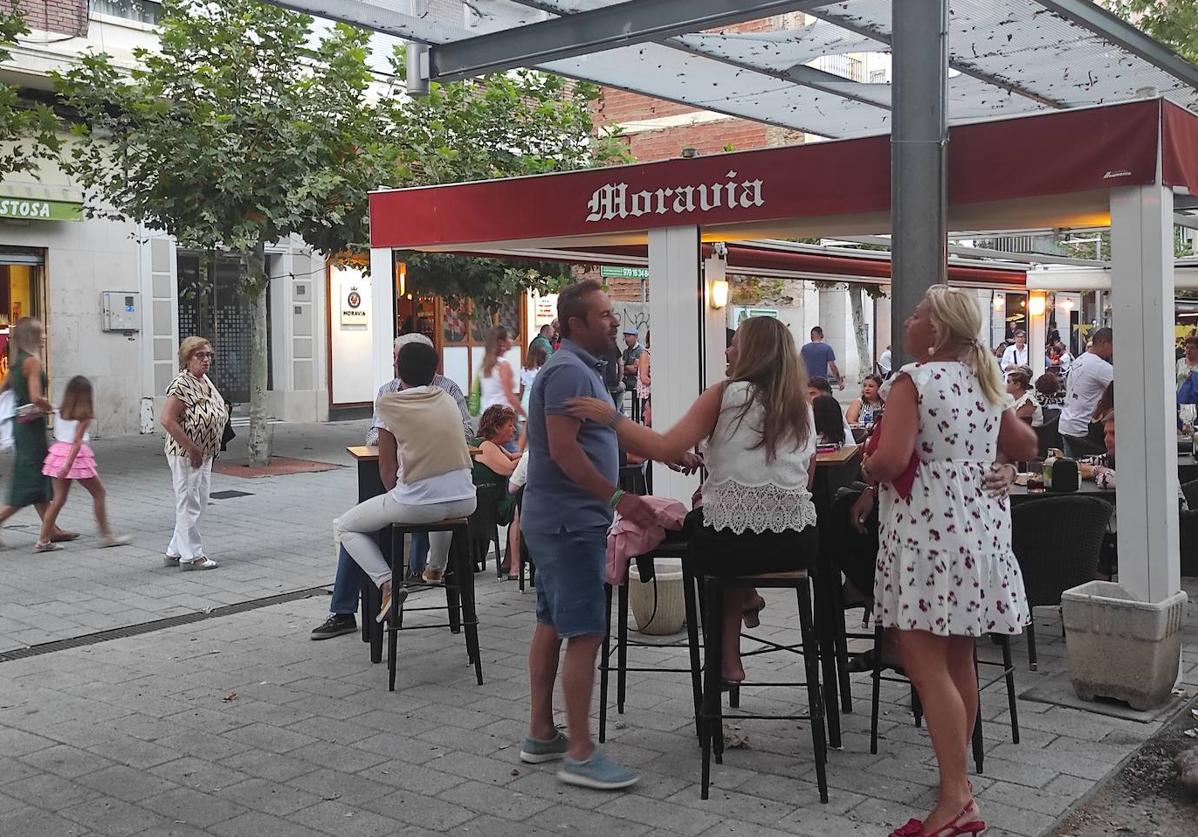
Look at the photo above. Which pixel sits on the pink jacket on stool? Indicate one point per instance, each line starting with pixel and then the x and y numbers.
pixel 626 540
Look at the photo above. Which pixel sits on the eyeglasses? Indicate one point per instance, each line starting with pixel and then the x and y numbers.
pixel 205 355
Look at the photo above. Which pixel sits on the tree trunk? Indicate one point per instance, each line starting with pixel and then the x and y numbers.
pixel 257 280
pixel 865 360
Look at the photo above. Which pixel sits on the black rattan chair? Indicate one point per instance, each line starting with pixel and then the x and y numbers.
pixel 1189 490
pixel 1048 435
pixel 1057 541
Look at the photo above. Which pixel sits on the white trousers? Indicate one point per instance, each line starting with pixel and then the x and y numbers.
pixel 191 501
pixel 355 530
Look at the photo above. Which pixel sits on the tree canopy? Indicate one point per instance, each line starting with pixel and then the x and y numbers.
pixel 1174 23
pixel 28 130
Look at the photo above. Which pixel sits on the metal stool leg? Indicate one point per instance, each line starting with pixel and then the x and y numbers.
pixel 711 680
pixel 621 648
pixel 1012 699
pixel 1032 662
pixel 469 611
pixel 689 593
pixel 875 698
pixel 814 698
pixel 605 665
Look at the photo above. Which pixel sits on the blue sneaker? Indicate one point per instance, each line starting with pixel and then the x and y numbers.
pixel 598 772
pixel 536 751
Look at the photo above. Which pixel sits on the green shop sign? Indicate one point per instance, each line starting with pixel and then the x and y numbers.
pixel 615 271
pixel 30 209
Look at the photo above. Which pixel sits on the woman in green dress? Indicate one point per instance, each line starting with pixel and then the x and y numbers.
pixel 28 486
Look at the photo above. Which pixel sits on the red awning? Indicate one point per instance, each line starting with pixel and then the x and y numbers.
pixel 1062 163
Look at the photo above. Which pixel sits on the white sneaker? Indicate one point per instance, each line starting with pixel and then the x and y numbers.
pixel 201 563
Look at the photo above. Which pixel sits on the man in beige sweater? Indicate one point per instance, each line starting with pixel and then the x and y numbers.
pixel 422 437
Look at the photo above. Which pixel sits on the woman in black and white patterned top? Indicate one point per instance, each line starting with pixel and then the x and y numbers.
pixel 194 419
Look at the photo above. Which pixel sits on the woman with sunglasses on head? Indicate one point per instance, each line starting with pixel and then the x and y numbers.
pixel 194 419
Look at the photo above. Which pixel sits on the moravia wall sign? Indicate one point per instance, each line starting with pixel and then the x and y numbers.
pixel 28 209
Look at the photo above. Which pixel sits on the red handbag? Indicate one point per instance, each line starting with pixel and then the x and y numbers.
pixel 903 482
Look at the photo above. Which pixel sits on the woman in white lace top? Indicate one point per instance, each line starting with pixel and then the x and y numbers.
pixel 756 514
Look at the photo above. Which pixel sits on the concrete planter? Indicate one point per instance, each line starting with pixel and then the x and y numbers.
pixel 658 606
pixel 1120 647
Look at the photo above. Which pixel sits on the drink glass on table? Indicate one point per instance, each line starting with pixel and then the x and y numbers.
pixel 1035 479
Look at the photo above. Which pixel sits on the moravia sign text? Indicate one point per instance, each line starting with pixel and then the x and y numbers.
pixel 612 200
pixel 39 210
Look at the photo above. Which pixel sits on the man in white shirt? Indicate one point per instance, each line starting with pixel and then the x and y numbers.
pixel 1016 354
pixel 1088 379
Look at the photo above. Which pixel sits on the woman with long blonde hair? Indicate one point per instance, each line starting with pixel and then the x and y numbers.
pixel 27 378
pixel 496 379
pixel 945 573
pixel 756 514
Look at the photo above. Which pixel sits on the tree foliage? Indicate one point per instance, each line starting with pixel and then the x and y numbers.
pixel 28 130
pixel 235 133
pixel 1172 22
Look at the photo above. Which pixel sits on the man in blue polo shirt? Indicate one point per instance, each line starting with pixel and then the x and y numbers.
pixel 573 471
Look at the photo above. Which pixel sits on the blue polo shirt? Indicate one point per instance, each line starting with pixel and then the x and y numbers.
pixel 552 502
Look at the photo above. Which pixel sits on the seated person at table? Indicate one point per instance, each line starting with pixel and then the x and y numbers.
pixel 818 386
pixel 494 464
pixel 829 423
pixel 422 444
pixel 1048 390
pixel 1026 405
pixel 344 601
pixel 757 515
pixel 868 408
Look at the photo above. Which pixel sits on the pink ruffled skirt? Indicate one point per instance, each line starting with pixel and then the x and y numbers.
pixel 85 462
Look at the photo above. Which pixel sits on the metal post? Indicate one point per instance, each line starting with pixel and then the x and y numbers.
pixel 382 313
pixel 678 312
pixel 918 142
pixel 1145 403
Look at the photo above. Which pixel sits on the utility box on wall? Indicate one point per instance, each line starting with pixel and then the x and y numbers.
pixel 121 310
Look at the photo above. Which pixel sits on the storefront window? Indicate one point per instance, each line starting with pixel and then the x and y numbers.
pixel 22 293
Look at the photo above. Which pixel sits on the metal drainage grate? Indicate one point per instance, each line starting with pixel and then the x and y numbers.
pixel 157 625
pixel 230 494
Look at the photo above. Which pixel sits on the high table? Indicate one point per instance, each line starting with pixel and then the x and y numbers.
pixel 1020 494
pixel 833 471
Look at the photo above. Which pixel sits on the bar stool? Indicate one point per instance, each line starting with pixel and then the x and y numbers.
pixel 978 744
pixel 673 547
pixel 459 593
pixel 711 715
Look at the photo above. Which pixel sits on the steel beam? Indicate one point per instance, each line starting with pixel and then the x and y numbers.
pixel 624 24
pixel 918 143
pixel 1115 30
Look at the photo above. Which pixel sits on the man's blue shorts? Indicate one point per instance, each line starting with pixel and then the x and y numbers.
pixel 571 571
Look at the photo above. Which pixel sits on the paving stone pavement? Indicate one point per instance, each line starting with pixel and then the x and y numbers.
pixel 241 725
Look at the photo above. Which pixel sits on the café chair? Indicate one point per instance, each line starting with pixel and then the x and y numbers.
pixel 459 593
pixel 1057 542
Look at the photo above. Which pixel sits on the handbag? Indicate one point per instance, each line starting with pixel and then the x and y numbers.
pixel 903 482
pixel 8 406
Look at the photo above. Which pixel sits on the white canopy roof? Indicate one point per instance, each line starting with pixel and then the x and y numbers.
pixel 1007 56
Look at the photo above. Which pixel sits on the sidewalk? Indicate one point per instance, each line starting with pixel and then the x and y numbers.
pixel 241 725
pixel 277 539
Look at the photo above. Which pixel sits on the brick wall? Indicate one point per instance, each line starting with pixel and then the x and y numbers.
pixel 66 17
pixel 619 107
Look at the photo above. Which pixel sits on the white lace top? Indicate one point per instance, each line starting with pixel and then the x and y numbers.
pixel 746 490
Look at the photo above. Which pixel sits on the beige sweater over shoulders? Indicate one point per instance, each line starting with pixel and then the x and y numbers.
pixel 427 427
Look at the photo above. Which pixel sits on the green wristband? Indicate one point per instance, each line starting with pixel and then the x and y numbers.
pixel 615 498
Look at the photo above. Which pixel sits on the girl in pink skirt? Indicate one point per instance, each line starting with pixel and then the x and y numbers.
pixel 71 458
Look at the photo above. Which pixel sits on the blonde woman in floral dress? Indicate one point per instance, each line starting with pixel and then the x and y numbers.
pixel 946 574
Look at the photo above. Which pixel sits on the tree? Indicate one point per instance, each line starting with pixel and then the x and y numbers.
pixel 510 124
pixel 1174 23
pixel 28 130
pixel 236 133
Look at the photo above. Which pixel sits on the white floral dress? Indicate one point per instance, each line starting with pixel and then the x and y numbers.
pixel 945 563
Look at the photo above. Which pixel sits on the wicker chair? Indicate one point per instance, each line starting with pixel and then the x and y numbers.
pixel 1057 541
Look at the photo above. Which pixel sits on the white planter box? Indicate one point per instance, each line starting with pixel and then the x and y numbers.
pixel 664 614
pixel 1120 647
